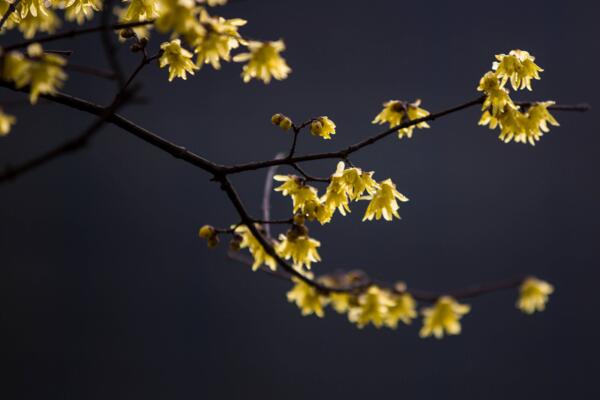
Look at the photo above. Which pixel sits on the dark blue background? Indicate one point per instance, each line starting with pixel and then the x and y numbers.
pixel 106 291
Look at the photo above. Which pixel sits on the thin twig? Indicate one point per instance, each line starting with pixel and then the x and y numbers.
pixel 67 147
pixel 110 50
pixel 76 32
pixel 12 7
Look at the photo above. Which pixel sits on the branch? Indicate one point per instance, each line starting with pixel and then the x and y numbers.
pixel 110 50
pixel 344 153
pixel 76 32
pixel 12 7
pixel 125 124
pixel 69 146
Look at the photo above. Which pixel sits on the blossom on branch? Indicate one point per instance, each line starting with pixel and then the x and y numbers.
pixel 384 202
pixel 264 61
pixel 396 112
pixel 177 58
pixel 533 295
pixel 444 316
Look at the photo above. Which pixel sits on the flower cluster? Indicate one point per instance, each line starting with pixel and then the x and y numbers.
pixel 387 307
pixel 396 112
pixel 212 38
pixel 345 185
pixel 523 124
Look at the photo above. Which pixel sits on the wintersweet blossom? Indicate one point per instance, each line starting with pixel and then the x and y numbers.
pixel 81 10
pixel 258 252
pixel 497 97
pixel 373 307
pixel 264 61
pixel 519 67
pixel 42 72
pixel 301 249
pixel 403 309
pixel 444 316
pixel 177 59
pixel 307 298
pixel 219 38
pixel 533 295
pixel 396 112
pixel 6 122
pixel 300 192
pixel 323 127
pixel 384 202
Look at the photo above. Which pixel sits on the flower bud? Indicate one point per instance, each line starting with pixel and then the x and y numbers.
pixel 206 232
pixel 281 121
pixel 213 241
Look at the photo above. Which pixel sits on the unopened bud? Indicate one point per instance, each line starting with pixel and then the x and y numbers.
pixel 213 241
pixel 281 121
pixel 127 33
pixel 206 232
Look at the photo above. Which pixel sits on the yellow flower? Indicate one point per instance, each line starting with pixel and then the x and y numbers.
pixel 264 61
pixel 6 122
pixel 373 306
pixel 496 96
pixel 256 249
pixel 354 181
pixel 396 112
pixel 340 301
pixel 80 10
pixel 538 118
pixel 533 295
pixel 33 7
pixel 519 67
pixel 307 298
pixel 142 10
pixel 404 309
pixel 300 193
pixel 48 22
pixel 43 72
pixel 179 17
pixel 445 316
pixel 335 197
pixel 220 37
pixel 314 209
pixel 301 249
pixel 177 58
pixel 323 127
pixel 522 127
pixel 383 202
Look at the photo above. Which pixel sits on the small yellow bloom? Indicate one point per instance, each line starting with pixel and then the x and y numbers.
pixel 6 122
pixel 220 37
pixel 301 249
pixel 43 72
pixel 317 210
pixel 373 306
pixel 264 61
pixel 179 17
pixel 177 58
pixel 519 67
pixel 323 127
pixel 354 181
pixel 340 301
pixel 142 10
pixel 404 309
pixel 335 197
pixel 256 249
pixel 533 295
pixel 307 298
pixel 30 25
pixel 384 202
pixel 396 112
pixel 80 10
pixel 496 96
pixel 445 316
pixel 300 193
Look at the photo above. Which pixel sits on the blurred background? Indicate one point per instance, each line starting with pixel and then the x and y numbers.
pixel 107 292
